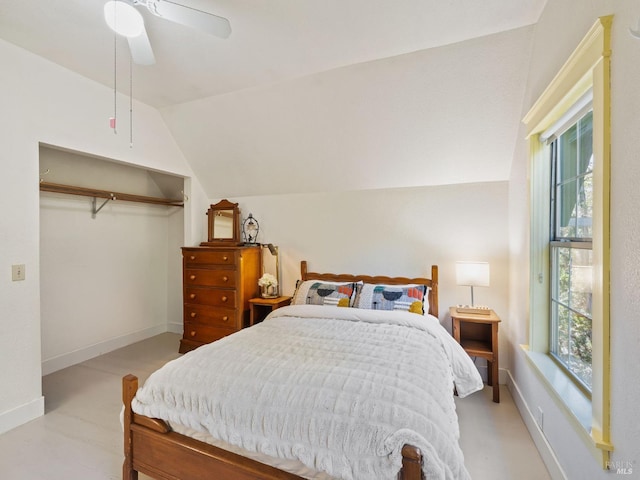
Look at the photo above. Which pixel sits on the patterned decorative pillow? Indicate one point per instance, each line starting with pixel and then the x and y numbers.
pixel 408 298
pixel 319 292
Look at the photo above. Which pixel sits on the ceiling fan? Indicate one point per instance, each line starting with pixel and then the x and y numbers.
pixel 124 19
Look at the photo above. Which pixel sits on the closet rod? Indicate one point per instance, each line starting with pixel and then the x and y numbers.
pixel 109 195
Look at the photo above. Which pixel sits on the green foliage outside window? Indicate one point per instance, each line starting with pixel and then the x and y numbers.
pixel 571 254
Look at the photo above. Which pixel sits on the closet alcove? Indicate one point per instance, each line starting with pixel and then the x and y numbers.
pixel 110 262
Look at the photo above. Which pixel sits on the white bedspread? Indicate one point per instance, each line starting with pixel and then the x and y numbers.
pixel 339 389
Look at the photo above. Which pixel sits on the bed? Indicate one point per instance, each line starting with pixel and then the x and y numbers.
pixel 347 392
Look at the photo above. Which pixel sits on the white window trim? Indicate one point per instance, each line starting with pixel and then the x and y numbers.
pixel 569 118
pixel 587 68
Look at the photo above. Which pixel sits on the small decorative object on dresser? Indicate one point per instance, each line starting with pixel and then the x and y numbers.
pixel 250 230
pixel 223 224
pixel 478 336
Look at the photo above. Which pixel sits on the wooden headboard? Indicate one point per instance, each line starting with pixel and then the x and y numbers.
pixel 346 277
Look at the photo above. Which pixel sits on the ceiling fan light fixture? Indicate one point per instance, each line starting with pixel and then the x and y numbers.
pixel 123 19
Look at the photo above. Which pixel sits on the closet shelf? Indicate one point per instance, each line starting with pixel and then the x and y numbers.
pixel 109 195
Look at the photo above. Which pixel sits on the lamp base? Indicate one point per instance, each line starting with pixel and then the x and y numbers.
pixel 475 309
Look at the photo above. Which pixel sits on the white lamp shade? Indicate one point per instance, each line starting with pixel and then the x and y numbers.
pixel 123 19
pixel 472 274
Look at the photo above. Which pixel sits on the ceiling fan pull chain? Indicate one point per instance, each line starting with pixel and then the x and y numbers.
pixel 112 120
pixel 130 101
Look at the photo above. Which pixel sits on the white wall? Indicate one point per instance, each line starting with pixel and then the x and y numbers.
pixel 555 38
pixel 432 117
pixel 395 232
pixel 104 281
pixel 42 102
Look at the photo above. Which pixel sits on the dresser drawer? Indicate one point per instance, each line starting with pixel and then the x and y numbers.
pixel 204 333
pixel 213 316
pixel 210 278
pixel 217 297
pixel 211 257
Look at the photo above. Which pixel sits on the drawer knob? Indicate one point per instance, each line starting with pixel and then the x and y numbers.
pixel 192 333
pixel 193 314
pixel 225 258
pixel 225 279
pixel 225 318
pixel 192 296
pixel 192 277
pixel 192 257
pixel 224 299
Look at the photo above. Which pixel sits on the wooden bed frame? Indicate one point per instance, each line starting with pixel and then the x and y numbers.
pixel 152 448
pixel 432 283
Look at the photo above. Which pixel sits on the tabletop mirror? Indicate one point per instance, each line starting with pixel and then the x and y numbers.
pixel 224 224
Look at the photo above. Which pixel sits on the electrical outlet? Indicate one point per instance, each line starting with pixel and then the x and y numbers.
pixel 540 418
pixel 17 272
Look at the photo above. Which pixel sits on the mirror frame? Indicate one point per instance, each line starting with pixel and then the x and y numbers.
pixel 223 204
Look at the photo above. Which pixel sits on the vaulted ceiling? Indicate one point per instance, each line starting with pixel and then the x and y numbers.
pixel 315 89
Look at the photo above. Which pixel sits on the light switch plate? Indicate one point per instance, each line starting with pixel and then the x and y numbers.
pixel 17 272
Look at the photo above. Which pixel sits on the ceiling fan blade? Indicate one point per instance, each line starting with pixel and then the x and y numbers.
pixel 191 17
pixel 141 51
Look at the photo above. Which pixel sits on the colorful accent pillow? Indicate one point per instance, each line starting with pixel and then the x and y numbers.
pixel 318 292
pixel 408 298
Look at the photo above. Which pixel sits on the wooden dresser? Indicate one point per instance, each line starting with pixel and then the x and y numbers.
pixel 217 285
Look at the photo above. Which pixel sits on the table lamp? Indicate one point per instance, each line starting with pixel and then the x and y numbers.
pixel 273 249
pixel 472 274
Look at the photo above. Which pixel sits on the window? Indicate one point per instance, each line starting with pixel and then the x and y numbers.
pixel 569 140
pixel 570 247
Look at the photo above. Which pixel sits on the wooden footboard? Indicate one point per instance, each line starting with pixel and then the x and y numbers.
pixel 152 448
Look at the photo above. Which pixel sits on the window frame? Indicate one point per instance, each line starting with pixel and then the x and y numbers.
pixel 588 67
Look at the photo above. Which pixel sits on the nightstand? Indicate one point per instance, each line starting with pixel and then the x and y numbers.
pixel 478 336
pixel 261 307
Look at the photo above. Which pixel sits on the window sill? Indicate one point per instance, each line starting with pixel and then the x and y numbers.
pixel 570 397
pixel 572 402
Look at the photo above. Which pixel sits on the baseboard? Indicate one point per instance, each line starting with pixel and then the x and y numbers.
pixel 72 358
pixel 546 452
pixel 175 328
pixel 503 374
pixel 22 414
